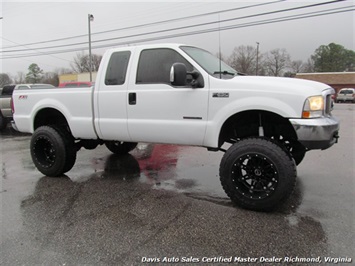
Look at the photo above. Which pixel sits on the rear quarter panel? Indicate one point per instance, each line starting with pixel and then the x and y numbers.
pixel 74 103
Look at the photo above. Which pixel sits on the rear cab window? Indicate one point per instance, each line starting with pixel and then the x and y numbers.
pixel 117 68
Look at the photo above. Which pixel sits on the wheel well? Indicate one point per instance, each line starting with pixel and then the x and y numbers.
pixel 50 116
pixel 246 124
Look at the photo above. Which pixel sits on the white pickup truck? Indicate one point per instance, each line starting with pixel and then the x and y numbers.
pixel 178 94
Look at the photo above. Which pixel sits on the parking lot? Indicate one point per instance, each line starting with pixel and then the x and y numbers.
pixel 164 203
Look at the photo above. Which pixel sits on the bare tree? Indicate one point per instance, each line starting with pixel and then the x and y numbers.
pixel 50 78
pixel 4 79
pixel 62 71
pixel 309 66
pixel 82 63
pixel 297 66
pixel 243 59
pixel 276 61
pixel 20 77
pixel 221 57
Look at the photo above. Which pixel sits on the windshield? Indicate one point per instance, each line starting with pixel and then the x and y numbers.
pixel 210 63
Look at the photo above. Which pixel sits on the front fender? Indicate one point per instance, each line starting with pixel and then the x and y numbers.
pixel 220 112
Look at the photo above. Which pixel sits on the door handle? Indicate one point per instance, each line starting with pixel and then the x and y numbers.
pixel 132 98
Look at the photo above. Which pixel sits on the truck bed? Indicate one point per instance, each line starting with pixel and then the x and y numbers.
pixel 74 103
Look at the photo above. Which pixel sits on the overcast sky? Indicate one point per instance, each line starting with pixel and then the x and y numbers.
pixel 26 22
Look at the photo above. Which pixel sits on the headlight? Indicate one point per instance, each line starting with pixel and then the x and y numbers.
pixel 313 107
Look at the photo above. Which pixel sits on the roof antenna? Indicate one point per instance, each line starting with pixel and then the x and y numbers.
pixel 219 44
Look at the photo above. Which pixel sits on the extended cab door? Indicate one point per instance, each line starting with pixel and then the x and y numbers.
pixel 159 112
pixel 111 97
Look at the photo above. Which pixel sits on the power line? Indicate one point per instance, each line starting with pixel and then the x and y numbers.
pixel 263 22
pixel 40 52
pixel 150 24
pixel 180 28
pixel 250 24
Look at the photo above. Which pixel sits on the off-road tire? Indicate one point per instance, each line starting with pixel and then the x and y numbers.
pixel 70 147
pixel 119 147
pixel 52 151
pixel 257 174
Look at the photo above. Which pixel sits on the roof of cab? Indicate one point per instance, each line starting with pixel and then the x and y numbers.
pixel 148 46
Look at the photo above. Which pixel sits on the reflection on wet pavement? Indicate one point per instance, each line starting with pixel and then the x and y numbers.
pixel 112 220
pixel 164 166
pixel 175 168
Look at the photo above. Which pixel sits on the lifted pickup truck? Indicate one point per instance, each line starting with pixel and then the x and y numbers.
pixel 178 94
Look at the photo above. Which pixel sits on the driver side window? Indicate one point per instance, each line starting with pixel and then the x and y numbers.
pixel 155 64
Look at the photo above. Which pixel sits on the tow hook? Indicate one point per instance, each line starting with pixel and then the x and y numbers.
pixel 336 136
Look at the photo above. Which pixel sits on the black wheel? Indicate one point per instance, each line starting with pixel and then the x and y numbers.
pixel 69 146
pixel 51 151
pixel 257 174
pixel 118 147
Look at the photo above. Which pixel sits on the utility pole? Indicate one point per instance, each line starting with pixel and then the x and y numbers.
pixel 90 18
pixel 257 58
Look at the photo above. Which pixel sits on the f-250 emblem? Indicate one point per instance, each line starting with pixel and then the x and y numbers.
pixel 220 95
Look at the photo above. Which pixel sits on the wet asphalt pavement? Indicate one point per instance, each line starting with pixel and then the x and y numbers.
pixel 165 203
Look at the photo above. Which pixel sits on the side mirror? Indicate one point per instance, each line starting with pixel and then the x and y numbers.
pixel 178 74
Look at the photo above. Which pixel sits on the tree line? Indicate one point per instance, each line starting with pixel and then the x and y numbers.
pixel 245 59
pixel 277 62
pixel 35 74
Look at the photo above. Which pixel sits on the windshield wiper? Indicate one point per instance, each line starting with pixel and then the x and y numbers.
pixel 224 73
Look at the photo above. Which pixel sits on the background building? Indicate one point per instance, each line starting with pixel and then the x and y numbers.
pixel 336 80
pixel 77 77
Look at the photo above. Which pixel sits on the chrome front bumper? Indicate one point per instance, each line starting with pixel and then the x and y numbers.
pixel 318 133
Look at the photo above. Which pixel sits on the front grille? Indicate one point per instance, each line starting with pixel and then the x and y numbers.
pixel 328 104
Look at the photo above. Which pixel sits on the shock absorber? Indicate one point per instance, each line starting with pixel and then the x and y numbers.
pixel 261 129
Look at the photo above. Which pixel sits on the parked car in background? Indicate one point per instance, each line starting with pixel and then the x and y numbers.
pixel 5 105
pixel 346 95
pixel 33 86
pixel 5 100
pixel 76 84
